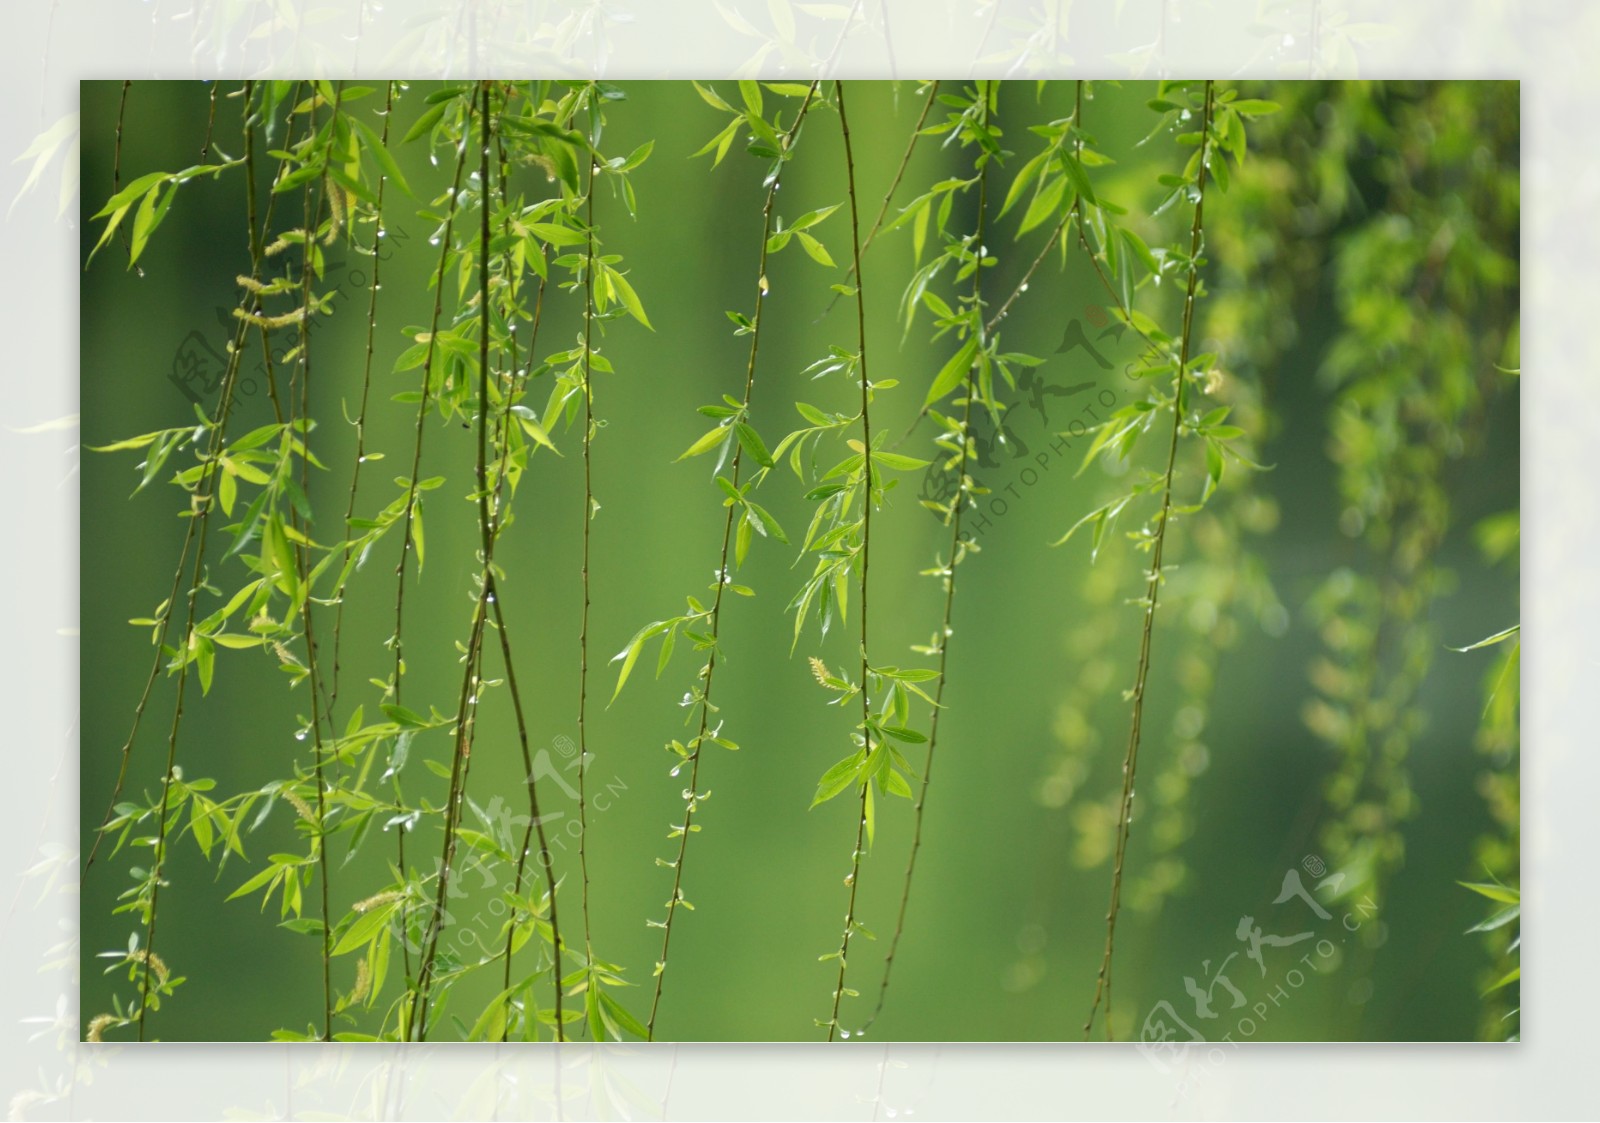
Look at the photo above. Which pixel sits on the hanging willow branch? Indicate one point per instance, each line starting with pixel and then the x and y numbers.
pixel 588 517
pixel 1102 990
pixel 894 184
pixel 471 679
pixel 412 500
pixel 864 557
pixel 735 510
pixel 378 235
pixel 311 211
pixel 163 617
pixel 535 826
pixel 204 502
pixel 961 435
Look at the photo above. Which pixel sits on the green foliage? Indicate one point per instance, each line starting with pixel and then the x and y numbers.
pixel 370 834
pixel 1504 919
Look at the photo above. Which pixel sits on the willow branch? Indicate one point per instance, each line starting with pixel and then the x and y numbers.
pixel 894 185
pixel 588 517
pixel 366 387
pixel 312 212
pixel 722 571
pixel 1102 990
pixel 203 517
pixel 471 680
pixel 164 618
pixel 412 500
pixel 866 538
pixel 535 825
pixel 956 551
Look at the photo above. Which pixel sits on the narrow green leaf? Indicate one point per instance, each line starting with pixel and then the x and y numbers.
pixel 373 143
pixel 629 298
pixel 898 461
pixel 707 442
pixel 367 926
pixel 753 445
pixel 1501 893
pixel 836 779
pixel 953 372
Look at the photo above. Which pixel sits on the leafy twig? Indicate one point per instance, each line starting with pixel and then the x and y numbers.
pixel 366 387
pixel 471 679
pixel 406 539
pixel 1102 990
pixel 866 538
pixel 722 571
pixel 588 517
pixel 957 548
pixel 894 185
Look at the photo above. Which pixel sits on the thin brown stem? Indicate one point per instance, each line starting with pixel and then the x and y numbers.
pixel 203 517
pixel 471 679
pixel 211 120
pixel 165 616
pixel 588 517
pixel 864 553
pixel 406 540
pixel 1102 990
pixel 722 572
pixel 535 826
pixel 116 161
pixel 366 387
pixel 956 550
pixel 894 185
pixel 312 220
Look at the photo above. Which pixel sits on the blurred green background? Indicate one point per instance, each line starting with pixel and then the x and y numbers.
pixel 1006 923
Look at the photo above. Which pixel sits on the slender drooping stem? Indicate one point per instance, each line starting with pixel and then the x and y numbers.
pixel 588 517
pixel 956 550
pixel 866 539
pixel 1102 989
pixel 164 617
pixel 165 621
pixel 203 518
pixel 471 680
pixel 535 826
pixel 211 121
pixel 894 184
pixel 116 158
pixel 366 387
pixel 722 572
pixel 312 212
pixel 406 540
pixel 1074 214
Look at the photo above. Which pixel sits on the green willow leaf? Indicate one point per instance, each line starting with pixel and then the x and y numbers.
pixel 954 372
